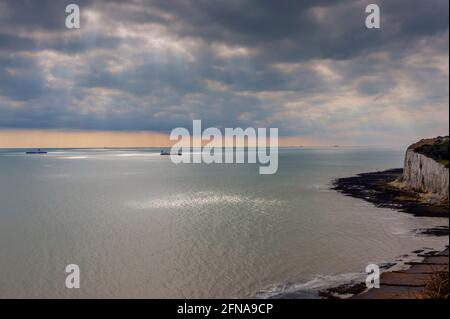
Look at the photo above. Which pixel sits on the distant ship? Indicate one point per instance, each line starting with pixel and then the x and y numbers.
pixel 168 153
pixel 36 152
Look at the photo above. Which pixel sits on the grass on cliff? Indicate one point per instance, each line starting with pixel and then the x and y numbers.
pixel 437 149
pixel 444 162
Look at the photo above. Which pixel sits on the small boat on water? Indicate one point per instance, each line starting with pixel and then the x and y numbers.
pixel 36 152
pixel 168 153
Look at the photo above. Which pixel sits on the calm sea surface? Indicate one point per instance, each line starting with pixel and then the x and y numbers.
pixel 140 226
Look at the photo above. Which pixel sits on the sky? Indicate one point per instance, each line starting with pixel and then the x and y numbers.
pixel 142 68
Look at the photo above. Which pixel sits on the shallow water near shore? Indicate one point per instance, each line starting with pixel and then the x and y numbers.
pixel 140 226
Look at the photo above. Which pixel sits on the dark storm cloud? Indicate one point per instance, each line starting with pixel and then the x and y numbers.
pixel 20 79
pixel 307 67
pixel 22 21
pixel 296 30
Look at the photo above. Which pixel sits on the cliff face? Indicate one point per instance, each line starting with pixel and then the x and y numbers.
pixel 426 174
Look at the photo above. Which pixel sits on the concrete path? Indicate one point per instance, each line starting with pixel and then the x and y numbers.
pixel 410 283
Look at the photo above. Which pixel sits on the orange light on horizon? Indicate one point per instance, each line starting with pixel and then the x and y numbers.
pixel 80 139
pixel 27 138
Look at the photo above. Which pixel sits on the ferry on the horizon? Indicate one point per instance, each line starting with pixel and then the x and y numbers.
pixel 36 152
pixel 168 153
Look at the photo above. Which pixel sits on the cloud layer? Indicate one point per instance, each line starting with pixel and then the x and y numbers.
pixel 310 68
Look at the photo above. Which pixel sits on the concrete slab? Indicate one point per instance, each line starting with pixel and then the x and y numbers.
pixel 426 269
pixel 410 283
pixel 441 260
pixel 404 279
pixel 391 292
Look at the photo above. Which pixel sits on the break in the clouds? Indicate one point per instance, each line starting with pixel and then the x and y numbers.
pixel 310 68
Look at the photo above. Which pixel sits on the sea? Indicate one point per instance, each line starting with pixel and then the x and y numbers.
pixel 139 226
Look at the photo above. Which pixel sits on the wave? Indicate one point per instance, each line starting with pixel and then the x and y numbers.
pixel 309 289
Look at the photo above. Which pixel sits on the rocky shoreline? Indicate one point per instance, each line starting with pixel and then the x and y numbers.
pixel 411 283
pixel 379 189
pixel 416 282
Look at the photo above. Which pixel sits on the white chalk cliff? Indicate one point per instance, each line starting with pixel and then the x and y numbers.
pixel 424 174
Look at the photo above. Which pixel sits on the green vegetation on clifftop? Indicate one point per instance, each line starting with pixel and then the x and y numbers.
pixel 436 148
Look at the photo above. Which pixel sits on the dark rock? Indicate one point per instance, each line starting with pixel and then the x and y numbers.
pixel 375 188
pixel 345 289
pixel 435 231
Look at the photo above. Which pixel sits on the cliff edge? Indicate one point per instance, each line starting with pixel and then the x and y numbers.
pixel 426 169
